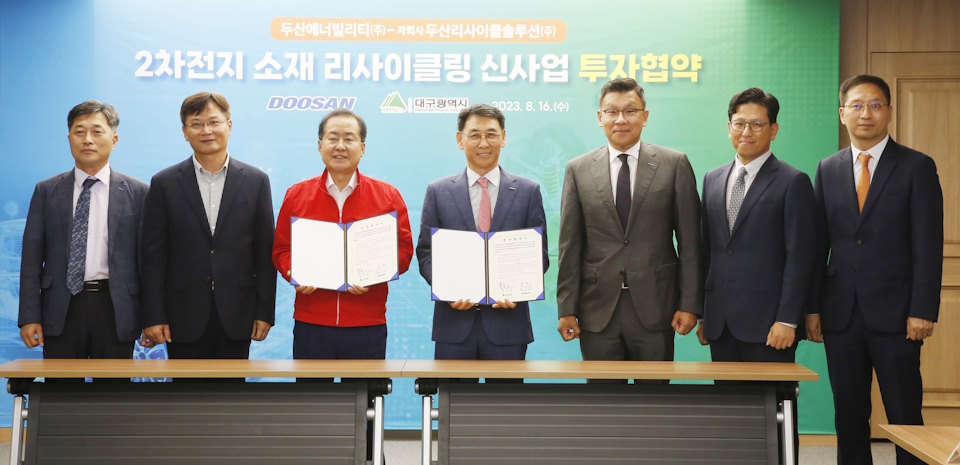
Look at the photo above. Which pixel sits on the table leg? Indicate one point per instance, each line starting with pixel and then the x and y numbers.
pixel 378 430
pixel 788 432
pixel 426 428
pixel 16 430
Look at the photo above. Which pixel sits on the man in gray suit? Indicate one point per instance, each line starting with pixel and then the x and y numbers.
pixel 623 288
pixel 79 269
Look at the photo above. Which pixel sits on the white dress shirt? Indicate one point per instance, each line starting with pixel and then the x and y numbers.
pixel 341 195
pixel 211 190
pixel 633 156
pixel 97 265
pixel 493 190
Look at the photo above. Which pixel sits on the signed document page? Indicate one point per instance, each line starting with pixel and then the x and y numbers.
pixel 372 250
pixel 515 264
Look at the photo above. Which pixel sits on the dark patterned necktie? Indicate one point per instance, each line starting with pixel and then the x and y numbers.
pixel 736 197
pixel 78 239
pixel 623 191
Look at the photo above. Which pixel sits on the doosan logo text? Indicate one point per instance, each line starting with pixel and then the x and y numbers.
pixel 309 103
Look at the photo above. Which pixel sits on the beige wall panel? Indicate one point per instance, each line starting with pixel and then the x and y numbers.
pixel 913 26
pixel 924 119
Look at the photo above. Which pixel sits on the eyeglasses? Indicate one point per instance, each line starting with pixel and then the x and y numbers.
pixel 492 138
pixel 198 126
pixel 628 113
pixel 336 140
pixel 859 107
pixel 755 126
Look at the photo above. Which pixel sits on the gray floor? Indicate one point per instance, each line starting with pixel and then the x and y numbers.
pixel 407 452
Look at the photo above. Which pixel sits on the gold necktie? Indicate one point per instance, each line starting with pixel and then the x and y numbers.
pixel 863 185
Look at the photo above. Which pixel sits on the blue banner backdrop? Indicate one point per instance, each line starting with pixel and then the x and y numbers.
pixel 406 68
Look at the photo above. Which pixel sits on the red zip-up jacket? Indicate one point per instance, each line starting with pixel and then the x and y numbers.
pixel 310 199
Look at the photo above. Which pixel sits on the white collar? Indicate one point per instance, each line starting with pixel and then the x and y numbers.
pixel 632 151
pixel 493 176
pixel 351 184
pixel 197 166
pixel 754 166
pixel 874 151
pixel 79 176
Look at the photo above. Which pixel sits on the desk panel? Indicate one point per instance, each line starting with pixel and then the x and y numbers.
pixel 210 423
pixel 541 424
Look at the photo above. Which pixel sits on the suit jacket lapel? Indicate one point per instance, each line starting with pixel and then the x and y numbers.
pixel 506 194
pixel 461 199
pixel 888 161
pixel 600 170
pixel 188 182
pixel 65 204
pixel 231 188
pixel 116 206
pixel 647 165
pixel 848 191
pixel 766 175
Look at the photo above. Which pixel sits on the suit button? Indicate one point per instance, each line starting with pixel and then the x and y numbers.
pixel 626 242
pixel 213 251
pixel 859 242
pixel 729 252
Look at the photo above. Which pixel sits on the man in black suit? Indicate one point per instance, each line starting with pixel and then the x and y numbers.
pixel 209 284
pixel 79 269
pixel 758 219
pixel 880 293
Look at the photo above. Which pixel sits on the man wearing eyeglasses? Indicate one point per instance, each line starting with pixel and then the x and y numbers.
pixel 349 324
pixel 623 288
pixel 484 197
pixel 880 291
pixel 209 287
pixel 758 219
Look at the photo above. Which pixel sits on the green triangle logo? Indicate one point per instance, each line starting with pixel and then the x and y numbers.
pixel 393 103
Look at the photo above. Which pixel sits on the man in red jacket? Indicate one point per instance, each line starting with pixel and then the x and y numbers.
pixel 348 324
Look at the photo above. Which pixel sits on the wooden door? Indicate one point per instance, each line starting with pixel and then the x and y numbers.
pixel 925 94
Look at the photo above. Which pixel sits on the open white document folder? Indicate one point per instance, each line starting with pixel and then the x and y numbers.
pixel 487 267
pixel 338 256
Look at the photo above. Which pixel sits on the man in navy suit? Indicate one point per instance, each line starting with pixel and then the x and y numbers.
pixel 484 197
pixel 79 269
pixel 209 282
pixel 880 292
pixel 758 219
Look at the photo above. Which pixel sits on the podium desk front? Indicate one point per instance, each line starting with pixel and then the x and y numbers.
pixel 545 422
pixel 207 421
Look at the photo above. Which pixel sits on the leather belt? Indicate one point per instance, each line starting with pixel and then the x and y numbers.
pixel 96 285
